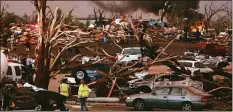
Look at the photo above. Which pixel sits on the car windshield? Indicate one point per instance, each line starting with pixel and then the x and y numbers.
pixel 195 90
pixel 132 51
pixel 186 64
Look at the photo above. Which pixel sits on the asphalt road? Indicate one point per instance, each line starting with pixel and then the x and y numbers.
pixel 120 107
pixel 105 108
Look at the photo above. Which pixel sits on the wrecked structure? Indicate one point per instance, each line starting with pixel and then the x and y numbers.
pixel 118 32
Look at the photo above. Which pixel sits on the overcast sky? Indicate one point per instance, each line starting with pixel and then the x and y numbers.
pixel 81 8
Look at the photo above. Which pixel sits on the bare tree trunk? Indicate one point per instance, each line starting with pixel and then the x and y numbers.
pixel 41 72
pixel 163 14
pixel 207 25
pixel 45 78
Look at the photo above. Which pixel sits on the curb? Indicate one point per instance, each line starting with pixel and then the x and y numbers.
pixel 98 100
pixel 95 103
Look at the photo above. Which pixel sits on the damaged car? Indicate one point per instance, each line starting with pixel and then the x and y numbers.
pixel 132 54
pixel 146 84
pixel 194 66
pixel 215 62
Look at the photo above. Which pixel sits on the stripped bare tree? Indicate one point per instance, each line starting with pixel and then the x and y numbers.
pixel 51 36
pixel 3 7
pixel 166 7
pixel 211 10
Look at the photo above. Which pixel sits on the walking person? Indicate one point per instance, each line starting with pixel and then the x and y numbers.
pixel 64 90
pixel 83 94
pixel 197 35
pixel 185 36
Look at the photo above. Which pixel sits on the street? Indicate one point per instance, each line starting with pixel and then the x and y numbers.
pixel 115 107
pixel 120 107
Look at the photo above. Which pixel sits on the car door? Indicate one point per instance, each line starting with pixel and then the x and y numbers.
pixel 159 99
pixel 176 97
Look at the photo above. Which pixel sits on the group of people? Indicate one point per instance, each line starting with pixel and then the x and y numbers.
pixel 83 92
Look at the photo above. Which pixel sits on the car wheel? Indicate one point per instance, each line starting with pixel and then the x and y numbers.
pixel 38 108
pixel 186 106
pixel 80 74
pixel 139 105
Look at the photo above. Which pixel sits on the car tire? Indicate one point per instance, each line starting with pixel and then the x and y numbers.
pixel 139 105
pixel 38 108
pixel 80 74
pixel 186 106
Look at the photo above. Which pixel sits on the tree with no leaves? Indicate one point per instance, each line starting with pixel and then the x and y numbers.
pixel 3 7
pixel 51 36
pixel 210 11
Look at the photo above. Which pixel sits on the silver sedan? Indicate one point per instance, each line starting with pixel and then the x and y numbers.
pixel 185 98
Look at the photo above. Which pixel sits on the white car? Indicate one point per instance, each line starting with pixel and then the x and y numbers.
pixel 194 66
pixel 14 71
pixel 147 84
pixel 215 62
pixel 222 34
pixel 129 54
pixel 188 53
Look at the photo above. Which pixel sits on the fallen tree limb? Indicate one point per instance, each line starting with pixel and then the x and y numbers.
pixel 218 89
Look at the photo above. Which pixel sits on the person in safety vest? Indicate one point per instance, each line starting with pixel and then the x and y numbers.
pixel 64 88
pixel 83 94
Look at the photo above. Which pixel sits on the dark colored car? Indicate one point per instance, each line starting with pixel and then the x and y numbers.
pixel 87 75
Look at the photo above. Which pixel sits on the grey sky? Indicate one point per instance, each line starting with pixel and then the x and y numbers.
pixel 81 8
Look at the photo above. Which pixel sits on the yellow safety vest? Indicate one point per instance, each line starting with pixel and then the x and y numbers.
pixel 64 89
pixel 83 91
